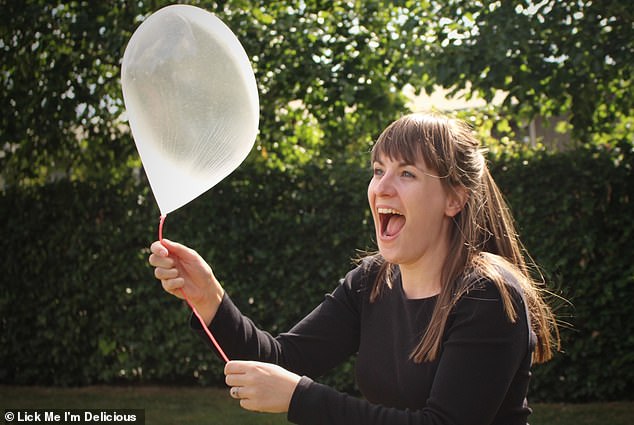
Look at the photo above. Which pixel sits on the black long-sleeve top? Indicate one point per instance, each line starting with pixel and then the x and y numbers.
pixel 480 377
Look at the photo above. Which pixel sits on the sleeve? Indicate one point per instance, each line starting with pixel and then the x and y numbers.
pixel 482 351
pixel 324 338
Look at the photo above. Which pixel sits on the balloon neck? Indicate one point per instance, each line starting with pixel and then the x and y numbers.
pixel 160 231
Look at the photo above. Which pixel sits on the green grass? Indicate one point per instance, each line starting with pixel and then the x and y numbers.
pixel 162 405
pixel 614 413
pixel 213 406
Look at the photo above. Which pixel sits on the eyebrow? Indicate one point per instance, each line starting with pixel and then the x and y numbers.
pixel 409 164
pixel 400 163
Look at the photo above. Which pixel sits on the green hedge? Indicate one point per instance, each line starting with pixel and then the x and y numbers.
pixel 80 304
pixel 576 216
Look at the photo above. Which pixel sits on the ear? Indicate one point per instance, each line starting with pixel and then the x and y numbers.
pixel 456 200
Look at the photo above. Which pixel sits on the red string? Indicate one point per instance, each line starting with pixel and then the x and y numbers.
pixel 161 221
pixel 200 319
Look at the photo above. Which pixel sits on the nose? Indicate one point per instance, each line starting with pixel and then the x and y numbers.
pixel 384 185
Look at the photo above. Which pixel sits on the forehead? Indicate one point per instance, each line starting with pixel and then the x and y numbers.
pixel 415 139
pixel 401 152
pixel 384 159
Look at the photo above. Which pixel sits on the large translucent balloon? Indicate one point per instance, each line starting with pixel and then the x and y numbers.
pixel 192 102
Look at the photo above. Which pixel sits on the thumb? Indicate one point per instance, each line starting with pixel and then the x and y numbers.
pixel 236 367
pixel 178 250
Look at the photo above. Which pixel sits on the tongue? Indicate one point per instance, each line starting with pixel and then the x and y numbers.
pixel 394 225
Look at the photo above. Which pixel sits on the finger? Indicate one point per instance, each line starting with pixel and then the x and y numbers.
pixel 248 404
pixel 173 285
pixel 165 274
pixel 236 380
pixel 236 392
pixel 159 249
pixel 236 367
pixel 179 250
pixel 158 261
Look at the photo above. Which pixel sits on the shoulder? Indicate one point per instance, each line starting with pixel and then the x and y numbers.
pixel 481 316
pixel 500 281
pixel 495 298
pixel 363 276
pixel 488 289
pixel 491 312
pixel 354 289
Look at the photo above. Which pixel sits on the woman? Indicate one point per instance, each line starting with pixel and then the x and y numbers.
pixel 445 319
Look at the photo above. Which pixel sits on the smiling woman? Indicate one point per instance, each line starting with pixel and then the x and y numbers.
pixel 410 209
pixel 445 319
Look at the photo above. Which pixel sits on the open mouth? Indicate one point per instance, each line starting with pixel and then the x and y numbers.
pixel 391 221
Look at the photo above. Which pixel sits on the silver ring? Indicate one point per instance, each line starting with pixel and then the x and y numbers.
pixel 235 392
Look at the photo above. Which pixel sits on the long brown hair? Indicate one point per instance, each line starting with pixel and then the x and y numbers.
pixel 483 240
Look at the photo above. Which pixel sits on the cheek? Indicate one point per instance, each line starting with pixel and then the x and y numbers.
pixel 371 193
pixel 429 208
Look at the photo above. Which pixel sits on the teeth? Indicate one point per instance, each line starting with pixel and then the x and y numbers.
pixel 388 211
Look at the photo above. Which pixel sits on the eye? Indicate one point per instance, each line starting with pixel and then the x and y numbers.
pixel 408 174
pixel 377 171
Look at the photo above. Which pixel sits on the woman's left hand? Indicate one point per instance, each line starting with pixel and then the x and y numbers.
pixel 262 387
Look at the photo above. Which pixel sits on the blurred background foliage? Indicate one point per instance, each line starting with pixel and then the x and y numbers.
pixel 79 304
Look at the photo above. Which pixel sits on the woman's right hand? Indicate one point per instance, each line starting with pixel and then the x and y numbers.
pixel 182 270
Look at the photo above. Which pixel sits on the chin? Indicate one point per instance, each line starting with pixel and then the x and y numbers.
pixel 390 255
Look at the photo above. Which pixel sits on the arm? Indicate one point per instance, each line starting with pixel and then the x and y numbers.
pixel 321 340
pixel 324 338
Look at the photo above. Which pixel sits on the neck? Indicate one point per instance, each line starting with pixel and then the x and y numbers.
pixel 423 278
pixel 419 283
